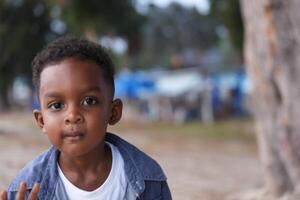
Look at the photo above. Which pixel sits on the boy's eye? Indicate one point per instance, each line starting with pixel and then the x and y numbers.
pixel 89 101
pixel 56 106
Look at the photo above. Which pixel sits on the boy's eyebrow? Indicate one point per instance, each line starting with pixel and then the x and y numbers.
pixel 93 89
pixel 57 95
pixel 51 95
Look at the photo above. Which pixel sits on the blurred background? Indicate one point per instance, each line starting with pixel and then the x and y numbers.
pixel 180 73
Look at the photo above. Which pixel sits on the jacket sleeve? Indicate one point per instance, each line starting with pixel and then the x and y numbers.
pixel 165 191
pixel 12 195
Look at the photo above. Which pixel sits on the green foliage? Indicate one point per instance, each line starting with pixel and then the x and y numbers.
pixel 171 30
pixel 104 17
pixel 23 27
pixel 228 13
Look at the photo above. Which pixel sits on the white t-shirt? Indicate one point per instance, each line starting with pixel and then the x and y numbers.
pixel 113 188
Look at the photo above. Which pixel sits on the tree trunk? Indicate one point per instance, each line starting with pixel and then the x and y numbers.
pixel 4 102
pixel 272 53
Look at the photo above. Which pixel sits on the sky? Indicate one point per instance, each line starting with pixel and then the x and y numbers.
pixel 201 5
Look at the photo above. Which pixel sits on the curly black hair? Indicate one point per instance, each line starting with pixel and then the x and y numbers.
pixel 72 47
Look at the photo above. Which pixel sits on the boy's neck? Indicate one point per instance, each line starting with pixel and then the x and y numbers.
pixel 88 171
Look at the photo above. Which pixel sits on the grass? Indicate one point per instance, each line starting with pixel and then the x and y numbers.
pixel 226 129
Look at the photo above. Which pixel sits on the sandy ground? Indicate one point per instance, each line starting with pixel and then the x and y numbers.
pixel 196 168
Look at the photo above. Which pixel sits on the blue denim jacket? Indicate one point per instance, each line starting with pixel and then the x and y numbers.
pixel 146 179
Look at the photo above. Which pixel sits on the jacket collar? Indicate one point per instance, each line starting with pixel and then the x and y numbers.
pixel 138 167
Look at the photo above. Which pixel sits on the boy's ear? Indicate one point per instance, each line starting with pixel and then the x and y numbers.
pixel 116 112
pixel 39 119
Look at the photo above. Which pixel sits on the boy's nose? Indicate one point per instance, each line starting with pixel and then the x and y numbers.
pixel 73 117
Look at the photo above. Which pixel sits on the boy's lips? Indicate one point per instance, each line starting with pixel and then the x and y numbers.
pixel 72 134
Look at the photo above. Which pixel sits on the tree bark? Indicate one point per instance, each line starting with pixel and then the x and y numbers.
pixel 272 53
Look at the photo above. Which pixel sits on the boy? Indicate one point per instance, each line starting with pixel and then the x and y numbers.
pixel 75 86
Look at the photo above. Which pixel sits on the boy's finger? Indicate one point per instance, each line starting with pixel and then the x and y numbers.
pixel 3 195
pixel 34 192
pixel 21 192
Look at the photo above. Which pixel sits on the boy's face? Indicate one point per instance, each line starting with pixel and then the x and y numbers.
pixel 76 106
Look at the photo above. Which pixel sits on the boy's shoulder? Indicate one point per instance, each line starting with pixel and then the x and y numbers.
pixel 138 165
pixel 34 171
pixel 137 161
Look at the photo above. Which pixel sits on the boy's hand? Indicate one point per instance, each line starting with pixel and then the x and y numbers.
pixel 22 191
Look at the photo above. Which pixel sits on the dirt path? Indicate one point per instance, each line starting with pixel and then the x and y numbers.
pixel 197 168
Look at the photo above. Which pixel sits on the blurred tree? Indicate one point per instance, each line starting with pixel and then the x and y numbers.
pixel 26 25
pixel 272 50
pixel 228 14
pixel 172 30
pixel 106 17
pixel 23 28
